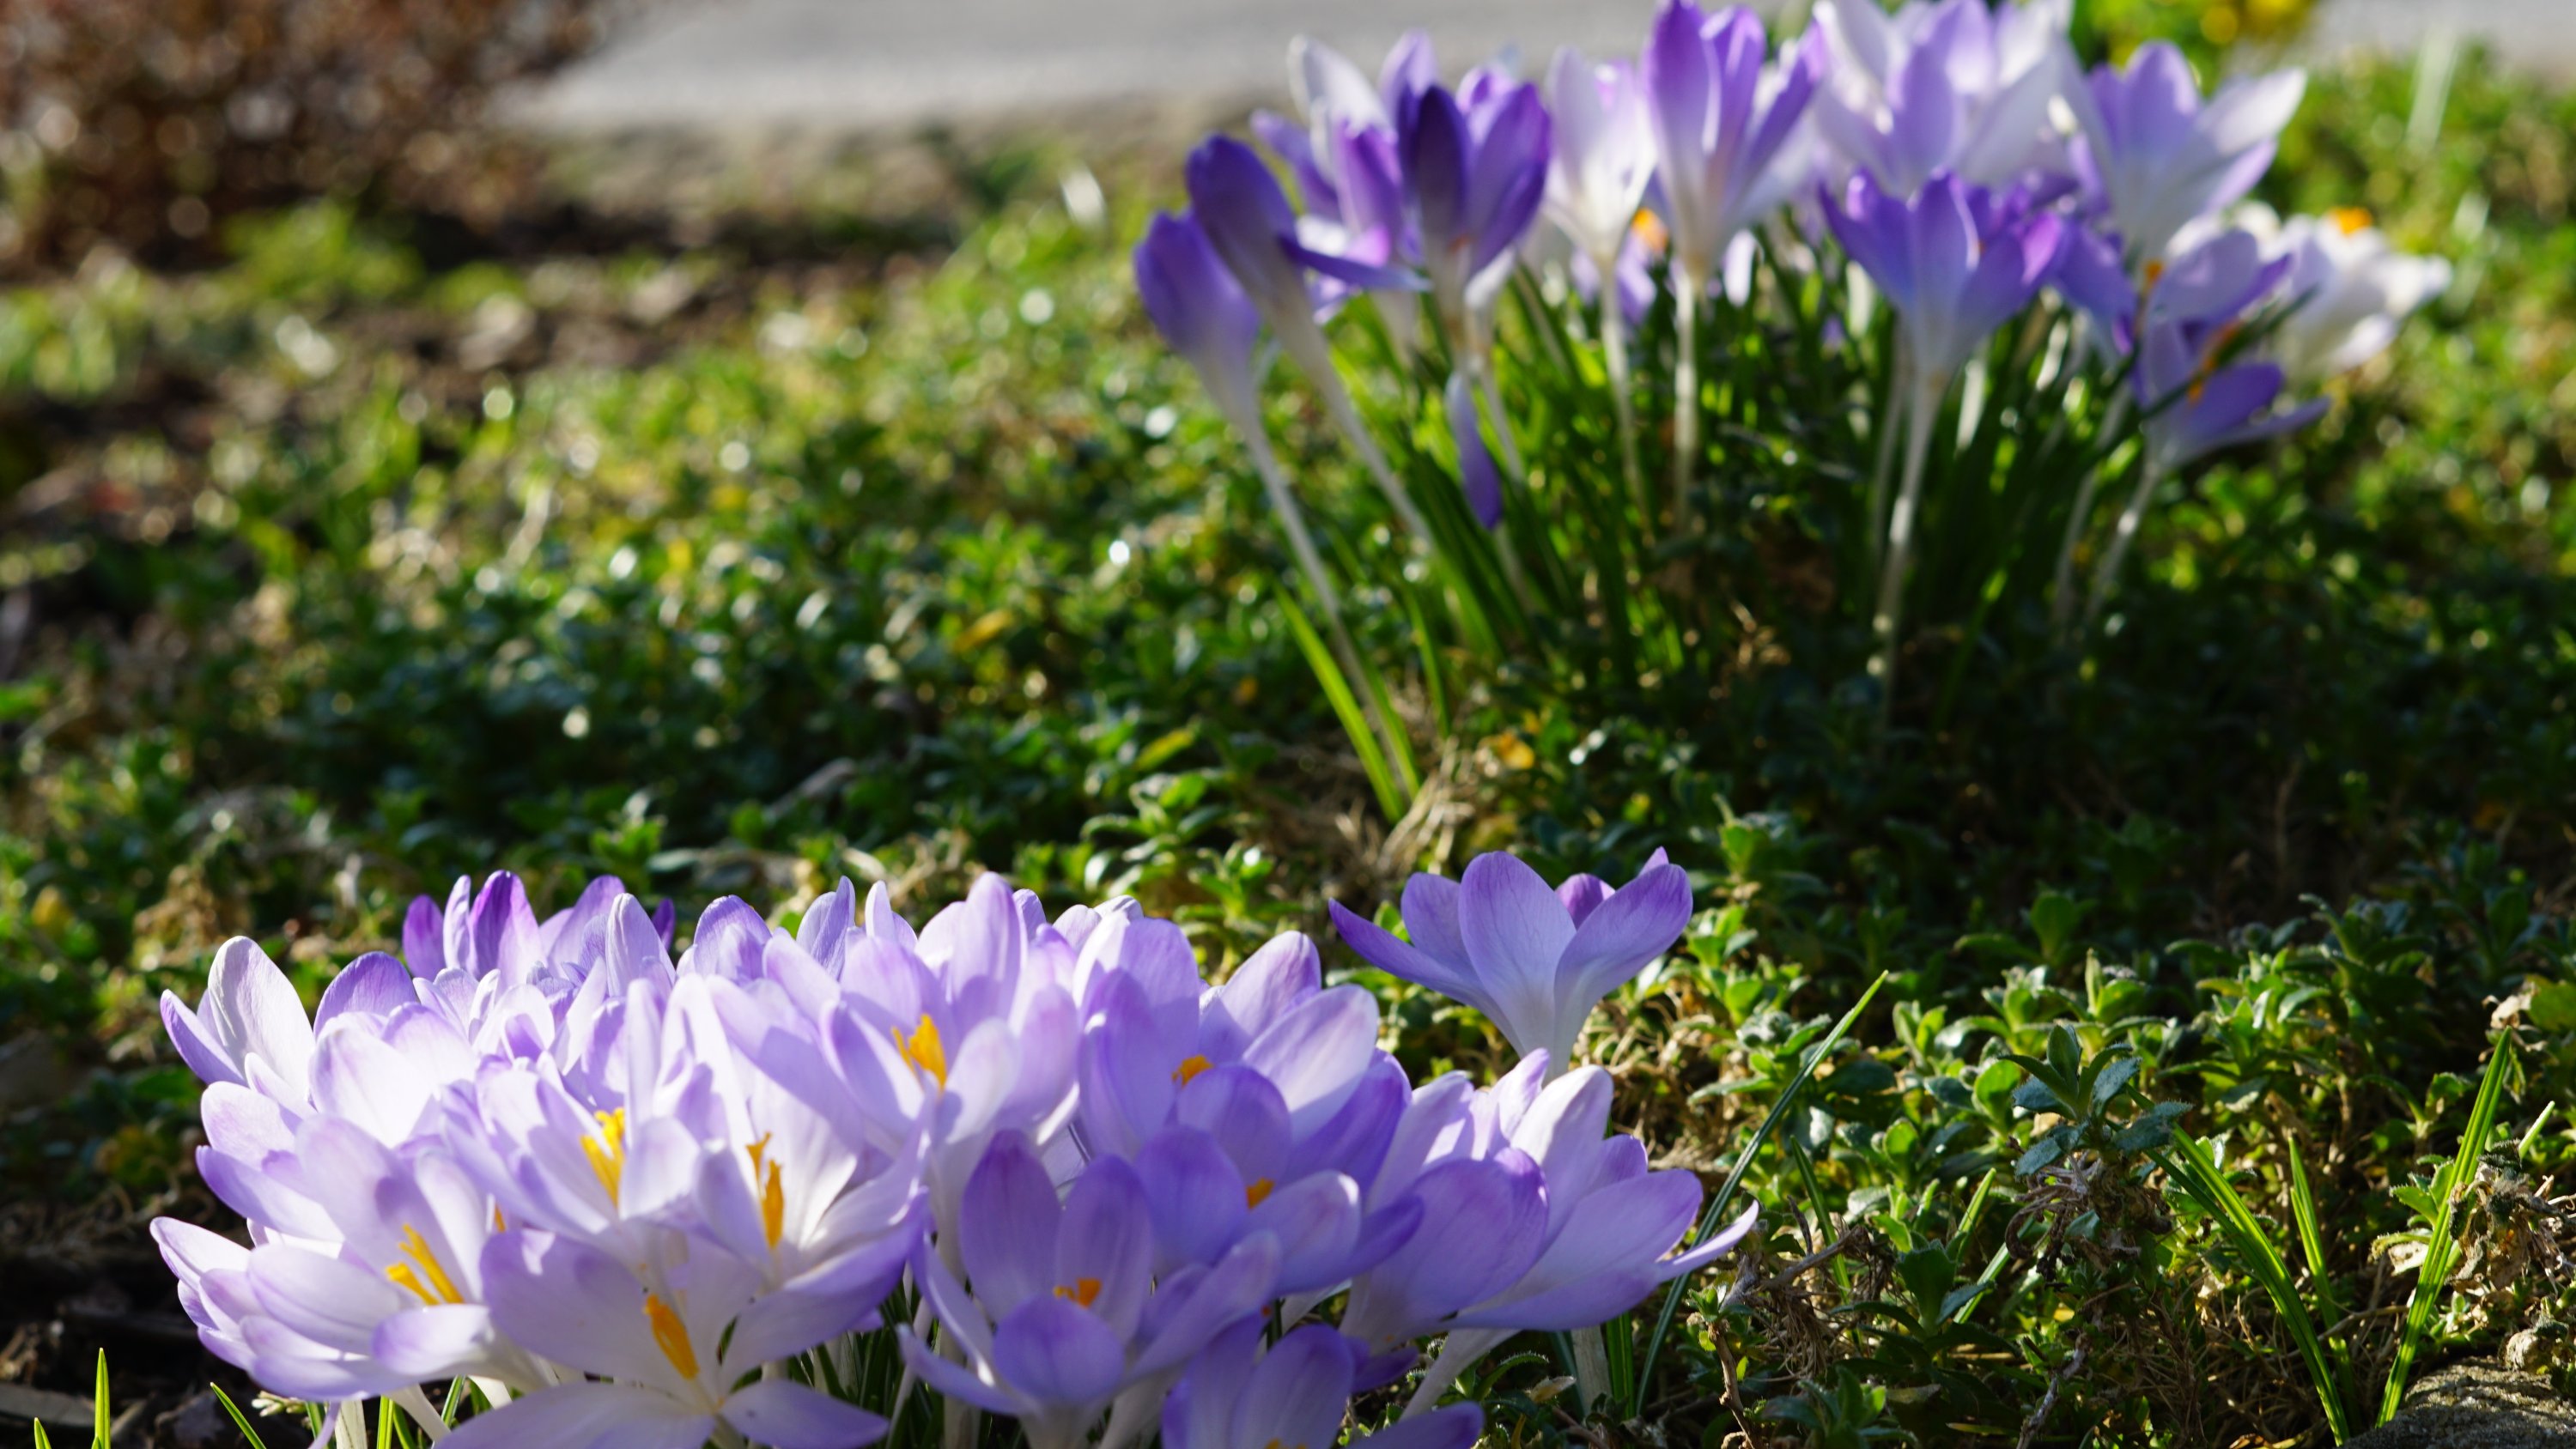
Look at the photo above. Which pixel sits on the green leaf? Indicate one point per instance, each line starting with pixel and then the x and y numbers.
pixel 2442 1246
pixel 2192 1167
pixel 2114 1076
pixel 1346 708
pixel 2043 1152
pixel 240 1420
pixel 2553 1006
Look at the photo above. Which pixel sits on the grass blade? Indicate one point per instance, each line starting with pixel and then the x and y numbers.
pixel 1725 1194
pixel 1346 707
pixel 2442 1248
pixel 99 1420
pixel 2303 1209
pixel 240 1420
pixel 2196 1171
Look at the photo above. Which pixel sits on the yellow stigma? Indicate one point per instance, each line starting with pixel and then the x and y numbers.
pixel 1189 1069
pixel 423 1275
pixel 1083 1292
pixel 2209 360
pixel 921 1048
pixel 607 1151
pixel 1650 230
pixel 672 1336
pixel 773 1192
pixel 2350 219
pixel 1258 1193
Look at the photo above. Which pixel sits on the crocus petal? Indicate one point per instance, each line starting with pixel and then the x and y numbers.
pixel 1454 1426
pixel 788 1415
pixel 1058 1354
pixel 1516 932
pixel 1394 956
pixel 1284 972
pixel 1636 924
pixel 586 1416
pixel 1316 1052
pixel 1007 1235
pixel 435 1342
pixel 1299 1390
pixel 372 985
pixel 1477 476
pixel 570 1302
pixel 1193 1195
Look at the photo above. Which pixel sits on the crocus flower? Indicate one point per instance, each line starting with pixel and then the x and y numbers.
pixel 1954 263
pixel 1721 125
pixel 1248 221
pixel 1603 157
pixel 248 1029
pixel 675 1353
pixel 1473 181
pixel 1950 87
pixel 2348 290
pixel 2196 400
pixel 2154 158
pixel 1571 1229
pixel 1202 312
pixel 1054 1318
pixel 1534 961
pixel 1237 1396
pixel 1477 475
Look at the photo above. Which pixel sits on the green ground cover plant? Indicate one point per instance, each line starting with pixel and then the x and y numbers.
pixel 2224 992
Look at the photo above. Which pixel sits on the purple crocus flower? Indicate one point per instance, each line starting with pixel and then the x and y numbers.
pixel 1477 475
pixel 1060 1310
pixel 1237 1396
pixel 1952 261
pixel 1534 961
pixel 2197 400
pixel 1604 154
pixel 1949 87
pixel 1249 223
pixel 2155 159
pixel 1202 312
pixel 1722 126
pixel 1474 180
pixel 248 1029
pixel 677 1351
pixel 1572 1228
pixel 2348 291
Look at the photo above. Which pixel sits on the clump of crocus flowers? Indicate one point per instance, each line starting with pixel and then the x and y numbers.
pixel 636 1200
pixel 1951 164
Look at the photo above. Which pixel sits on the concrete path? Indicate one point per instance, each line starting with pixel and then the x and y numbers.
pixel 863 65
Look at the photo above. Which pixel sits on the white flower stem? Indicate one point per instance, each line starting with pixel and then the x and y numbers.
pixel 1873 527
pixel 1315 359
pixel 1686 290
pixel 2061 589
pixel 1591 1366
pixel 1923 404
pixel 1310 562
pixel 1458 1353
pixel 1614 353
pixel 2122 535
pixel 422 1411
pixel 1502 421
pixel 1502 536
